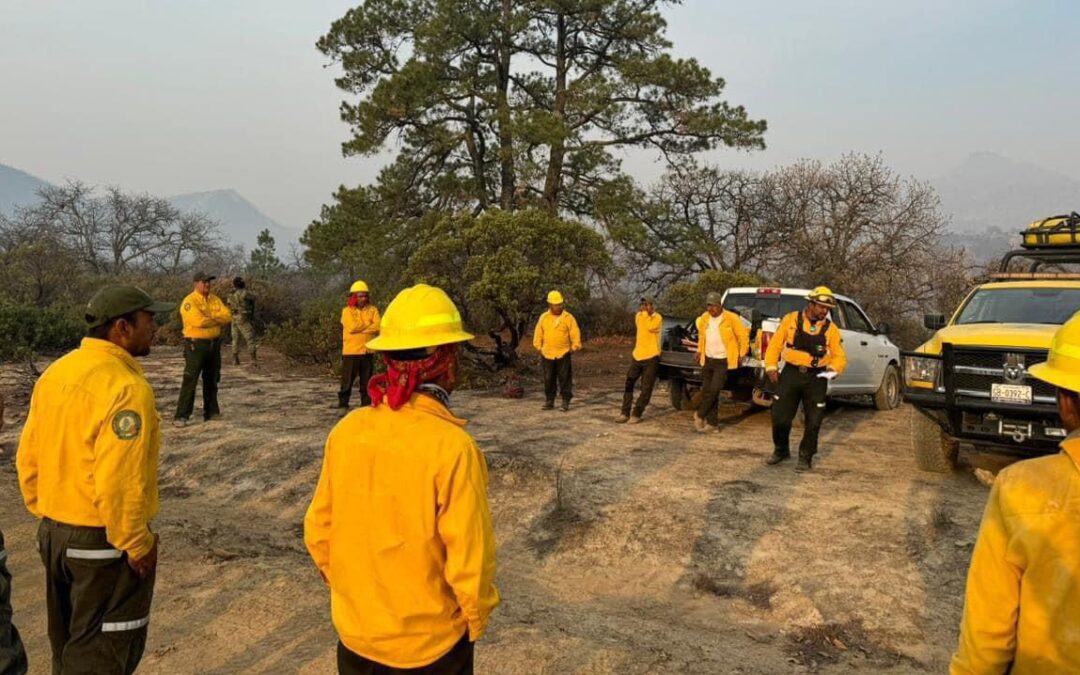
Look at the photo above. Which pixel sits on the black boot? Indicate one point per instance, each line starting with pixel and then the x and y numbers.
pixel 802 465
pixel 236 359
pixel 777 457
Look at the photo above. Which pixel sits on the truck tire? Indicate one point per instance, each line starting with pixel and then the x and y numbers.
pixel 888 396
pixel 934 450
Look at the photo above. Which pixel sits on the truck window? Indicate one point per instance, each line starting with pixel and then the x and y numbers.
pixel 771 306
pixel 1020 305
pixel 856 321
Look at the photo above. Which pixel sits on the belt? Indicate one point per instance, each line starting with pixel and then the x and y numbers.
pixel 68 526
pixel 210 340
pixel 810 369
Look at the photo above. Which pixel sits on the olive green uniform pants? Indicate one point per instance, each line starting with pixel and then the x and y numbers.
pixel 98 608
pixel 242 329
pixel 201 357
pixel 799 385
pixel 12 654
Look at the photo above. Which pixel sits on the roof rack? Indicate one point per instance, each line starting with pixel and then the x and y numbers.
pixel 1059 255
pixel 1053 232
pixel 1034 276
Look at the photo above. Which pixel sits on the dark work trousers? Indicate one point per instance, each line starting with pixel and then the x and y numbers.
pixel 353 367
pixel 797 387
pixel 713 378
pixel 457 661
pixel 98 609
pixel 645 371
pixel 201 357
pixel 558 378
pixel 12 654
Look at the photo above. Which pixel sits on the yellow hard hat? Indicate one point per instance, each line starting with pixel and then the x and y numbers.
pixel 822 296
pixel 421 316
pixel 358 287
pixel 555 298
pixel 1062 367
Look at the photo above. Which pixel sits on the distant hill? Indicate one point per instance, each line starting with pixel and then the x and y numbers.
pixel 241 221
pixel 988 190
pixel 17 188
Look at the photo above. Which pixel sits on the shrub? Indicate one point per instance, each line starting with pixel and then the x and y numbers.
pixel 30 330
pixel 686 299
pixel 314 337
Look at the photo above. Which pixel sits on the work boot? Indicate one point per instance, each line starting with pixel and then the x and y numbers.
pixel 776 458
pixel 635 419
pixel 565 406
pixel 621 419
pixel 802 465
pixel 548 405
pixel 236 359
pixel 180 422
pixel 699 422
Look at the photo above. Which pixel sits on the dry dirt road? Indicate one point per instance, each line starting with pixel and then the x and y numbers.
pixel 622 549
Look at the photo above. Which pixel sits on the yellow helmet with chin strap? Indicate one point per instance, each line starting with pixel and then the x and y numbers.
pixel 358 287
pixel 421 316
pixel 1062 366
pixel 822 296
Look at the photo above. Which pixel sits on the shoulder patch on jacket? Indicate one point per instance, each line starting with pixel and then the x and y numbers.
pixel 126 424
pixel 187 306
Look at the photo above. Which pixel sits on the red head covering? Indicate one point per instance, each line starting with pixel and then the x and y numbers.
pixel 402 378
pixel 354 301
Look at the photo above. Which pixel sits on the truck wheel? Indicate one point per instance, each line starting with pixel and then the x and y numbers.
pixel 887 396
pixel 934 450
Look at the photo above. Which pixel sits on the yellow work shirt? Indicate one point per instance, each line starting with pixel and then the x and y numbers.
pixel 556 336
pixel 204 317
pixel 1022 606
pixel 647 344
pixel 400 527
pixel 733 332
pixel 779 346
pixel 358 327
pixel 88 454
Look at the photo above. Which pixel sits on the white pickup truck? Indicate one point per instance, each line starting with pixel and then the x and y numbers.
pixel 873 360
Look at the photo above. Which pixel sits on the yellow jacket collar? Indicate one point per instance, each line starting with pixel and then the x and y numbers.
pixel 1071 447
pixel 106 347
pixel 427 404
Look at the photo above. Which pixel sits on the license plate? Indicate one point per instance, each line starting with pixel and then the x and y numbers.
pixel 1010 393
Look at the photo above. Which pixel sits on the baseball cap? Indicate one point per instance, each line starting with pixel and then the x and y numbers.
pixel 116 301
pixel 203 276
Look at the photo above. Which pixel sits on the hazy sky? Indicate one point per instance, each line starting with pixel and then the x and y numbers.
pixel 181 96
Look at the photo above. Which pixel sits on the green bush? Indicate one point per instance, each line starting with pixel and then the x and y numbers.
pixel 686 300
pixel 314 337
pixel 29 330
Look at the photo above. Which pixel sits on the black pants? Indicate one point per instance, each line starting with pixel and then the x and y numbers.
pixel 645 371
pixel 713 378
pixel 558 378
pixel 98 609
pixel 798 387
pixel 12 654
pixel 359 366
pixel 201 357
pixel 457 661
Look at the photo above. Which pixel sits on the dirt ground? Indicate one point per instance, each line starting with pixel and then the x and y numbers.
pixel 622 549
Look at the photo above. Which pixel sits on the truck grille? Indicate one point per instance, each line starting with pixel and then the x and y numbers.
pixel 976 370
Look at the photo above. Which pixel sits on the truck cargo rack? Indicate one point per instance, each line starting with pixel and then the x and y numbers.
pixel 1059 255
pixel 1053 233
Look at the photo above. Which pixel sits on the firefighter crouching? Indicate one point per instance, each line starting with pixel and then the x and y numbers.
pixel 809 343
pixel 399 525
pixel 87 465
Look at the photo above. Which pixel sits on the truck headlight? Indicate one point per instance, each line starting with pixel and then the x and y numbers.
pixel 921 372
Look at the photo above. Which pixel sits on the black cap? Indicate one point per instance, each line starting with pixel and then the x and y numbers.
pixel 647 300
pixel 116 301
pixel 203 276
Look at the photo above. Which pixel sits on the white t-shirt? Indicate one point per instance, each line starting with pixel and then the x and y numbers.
pixel 714 344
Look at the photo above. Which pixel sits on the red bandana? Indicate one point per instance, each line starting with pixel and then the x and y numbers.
pixel 402 378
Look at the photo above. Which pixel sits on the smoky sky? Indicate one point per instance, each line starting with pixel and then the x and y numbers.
pixel 173 97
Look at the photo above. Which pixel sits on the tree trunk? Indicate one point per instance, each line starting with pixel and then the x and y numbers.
pixel 553 181
pixel 506 136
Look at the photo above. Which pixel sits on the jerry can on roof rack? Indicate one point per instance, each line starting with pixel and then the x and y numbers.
pixel 1053 232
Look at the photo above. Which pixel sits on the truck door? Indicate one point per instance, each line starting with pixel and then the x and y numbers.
pixel 860 346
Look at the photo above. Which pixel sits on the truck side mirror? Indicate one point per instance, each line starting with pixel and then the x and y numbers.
pixel 883 328
pixel 934 321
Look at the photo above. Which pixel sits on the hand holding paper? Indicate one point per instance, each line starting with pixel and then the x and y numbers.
pixel 828 374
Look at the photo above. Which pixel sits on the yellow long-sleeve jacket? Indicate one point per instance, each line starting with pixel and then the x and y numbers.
pixel 1022 607
pixel 556 336
pixel 400 527
pixel 204 317
pixel 88 454
pixel 835 358
pixel 647 343
pixel 733 332
pixel 358 327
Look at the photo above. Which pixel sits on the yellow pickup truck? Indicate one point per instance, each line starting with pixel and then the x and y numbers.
pixel 969 383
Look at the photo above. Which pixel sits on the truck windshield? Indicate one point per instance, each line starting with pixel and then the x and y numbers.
pixel 771 306
pixel 1020 305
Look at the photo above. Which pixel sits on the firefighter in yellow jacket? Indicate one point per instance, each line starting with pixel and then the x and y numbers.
pixel 204 315
pixel 87 464
pixel 645 361
pixel 723 341
pixel 1022 606
pixel 399 525
pixel 359 325
pixel 809 343
pixel 557 337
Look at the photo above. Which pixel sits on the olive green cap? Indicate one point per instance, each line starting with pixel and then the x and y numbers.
pixel 714 299
pixel 112 302
pixel 648 300
pixel 204 276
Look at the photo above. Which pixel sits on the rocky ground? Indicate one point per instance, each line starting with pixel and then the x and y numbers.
pixel 622 549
